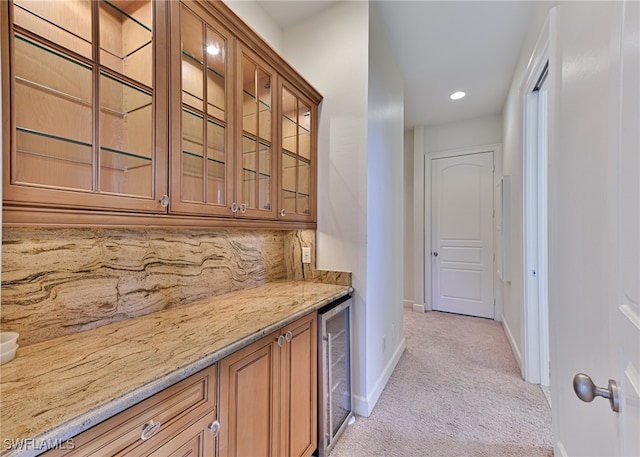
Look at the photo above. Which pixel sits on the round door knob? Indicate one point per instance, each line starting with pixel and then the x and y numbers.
pixel 586 390
pixel 234 207
pixel 243 208
pixel 283 212
pixel 281 340
pixel 435 253
pixel 288 336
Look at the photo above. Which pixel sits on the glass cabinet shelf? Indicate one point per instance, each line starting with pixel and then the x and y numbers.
pixel 199 62
pixel 57 23
pixel 126 15
pixel 33 143
pixel 199 156
pixel 42 144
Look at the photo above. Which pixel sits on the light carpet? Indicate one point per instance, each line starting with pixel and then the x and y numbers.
pixel 456 391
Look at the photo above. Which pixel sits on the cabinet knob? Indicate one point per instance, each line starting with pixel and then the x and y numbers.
pixel 149 429
pixel 214 428
pixel 234 207
pixel 288 336
pixel 164 201
pixel 281 340
pixel 283 212
pixel 243 208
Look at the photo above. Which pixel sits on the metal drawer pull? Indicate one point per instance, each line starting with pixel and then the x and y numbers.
pixel 288 336
pixel 214 427
pixel 149 429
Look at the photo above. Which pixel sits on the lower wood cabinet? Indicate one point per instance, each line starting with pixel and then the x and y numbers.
pixel 268 395
pixel 176 419
pixel 267 406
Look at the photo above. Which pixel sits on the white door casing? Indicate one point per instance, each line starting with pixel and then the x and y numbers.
pixel 462 234
pixel 594 218
pixel 535 322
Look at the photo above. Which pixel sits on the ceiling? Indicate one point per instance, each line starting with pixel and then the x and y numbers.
pixel 442 47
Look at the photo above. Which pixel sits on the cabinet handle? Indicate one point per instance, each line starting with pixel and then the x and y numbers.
pixel 288 336
pixel 243 208
pixel 281 340
pixel 234 207
pixel 283 212
pixel 214 427
pixel 149 429
pixel 164 201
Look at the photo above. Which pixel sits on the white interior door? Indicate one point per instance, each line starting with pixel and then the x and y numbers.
pixel 462 236
pixel 626 288
pixel 594 237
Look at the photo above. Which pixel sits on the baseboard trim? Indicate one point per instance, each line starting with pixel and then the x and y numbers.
pixel 512 342
pixel 561 450
pixel 364 406
pixel 419 308
pixel 407 303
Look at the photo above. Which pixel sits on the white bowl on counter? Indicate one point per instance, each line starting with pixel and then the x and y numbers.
pixel 8 346
pixel 8 354
pixel 8 340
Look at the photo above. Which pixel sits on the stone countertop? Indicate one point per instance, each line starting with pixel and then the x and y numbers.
pixel 58 388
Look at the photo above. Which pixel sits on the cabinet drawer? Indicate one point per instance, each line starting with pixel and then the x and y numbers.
pixel 195 441
pixel 181 403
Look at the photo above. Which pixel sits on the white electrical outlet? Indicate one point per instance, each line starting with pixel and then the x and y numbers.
pixel 306 255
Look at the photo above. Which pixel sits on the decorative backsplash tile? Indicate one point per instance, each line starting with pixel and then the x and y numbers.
pixel 61 281
pixel 296 270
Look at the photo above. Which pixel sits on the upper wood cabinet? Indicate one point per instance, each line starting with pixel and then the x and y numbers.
pixel 201 118
pixel 257 134
pixel 86 123
pixel 174 109
pixel 298 127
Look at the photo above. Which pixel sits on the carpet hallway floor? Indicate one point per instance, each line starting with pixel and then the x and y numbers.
pixel 456 392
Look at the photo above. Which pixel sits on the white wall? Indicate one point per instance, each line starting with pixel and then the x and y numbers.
pixel 385 213
pixel 255 17
pixel 458 135
pixel 513 166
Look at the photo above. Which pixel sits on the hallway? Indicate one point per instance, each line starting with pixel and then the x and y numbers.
pixel 457 392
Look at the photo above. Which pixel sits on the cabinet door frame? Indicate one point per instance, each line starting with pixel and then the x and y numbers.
pixel 306 327
pixel 313 178
pixel 177 205
pixel 42 195
pixel 265 347
pixel 253 213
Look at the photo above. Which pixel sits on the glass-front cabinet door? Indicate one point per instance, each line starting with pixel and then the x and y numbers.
pixel 86 107
pixel 297 156
pixel 255 173
pixel 201 157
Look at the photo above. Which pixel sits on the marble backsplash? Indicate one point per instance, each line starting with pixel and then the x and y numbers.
pixel 60 281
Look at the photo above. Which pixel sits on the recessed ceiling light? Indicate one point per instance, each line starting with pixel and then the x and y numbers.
pixel 213 50
pixel 457 95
